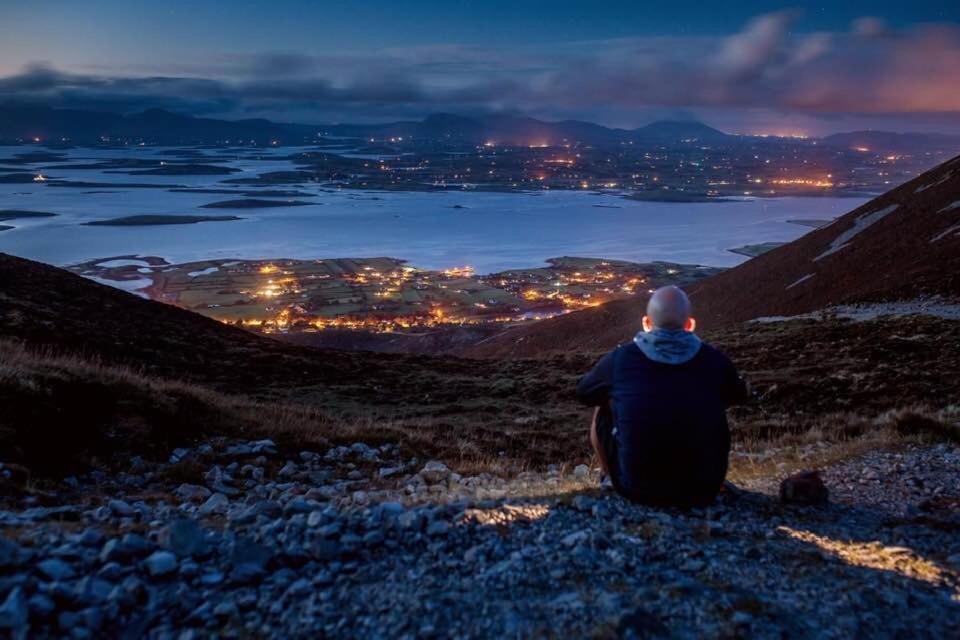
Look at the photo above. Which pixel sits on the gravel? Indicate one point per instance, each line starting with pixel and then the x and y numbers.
pixel 308 547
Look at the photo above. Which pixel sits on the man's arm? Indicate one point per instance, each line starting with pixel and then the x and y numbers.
pixel 735 388
pixel 594 387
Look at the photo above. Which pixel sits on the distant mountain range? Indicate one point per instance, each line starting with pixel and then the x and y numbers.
pixel 18 122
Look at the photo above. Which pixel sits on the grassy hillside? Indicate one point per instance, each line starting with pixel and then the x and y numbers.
pixel 106 374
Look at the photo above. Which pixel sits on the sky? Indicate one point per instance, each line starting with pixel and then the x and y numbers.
pixel 747 67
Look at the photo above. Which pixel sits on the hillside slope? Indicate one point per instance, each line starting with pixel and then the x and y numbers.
pixel 101 372
pixel 902 245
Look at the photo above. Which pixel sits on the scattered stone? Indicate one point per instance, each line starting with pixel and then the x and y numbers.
pixel 161 563
pixel 185 538
pixel 14 611
pixel 215 504
pixel 121 508
pixel 438 528
pixel 55 569
pixel 581 472
pixel 192 493
pixel 10 554
pixel 326 550
pixel 434 472
pixel 575 538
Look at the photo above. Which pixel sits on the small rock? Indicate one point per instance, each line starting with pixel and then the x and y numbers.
pixel 192 493
pixel 161 563
pixel 268 508
pixel 178 455
pixel 92 590
pixel 121 508
pixel 55 569
pixel 573 539
pixel 215 504
pixel 185 538
pixel 325 549
pixel 40 605
pixel 299 588
pixel 438 528
pixel 263 447
pixel 373 538
pixel 298 505
pixel 14 612
pixel 211 579
pixel 90 538
pixel 10 554
pixel 391 509
pixel 581 472
pixel 741 618
pixel 434 472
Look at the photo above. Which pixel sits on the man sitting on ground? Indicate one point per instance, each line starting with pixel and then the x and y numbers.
pixel 660 428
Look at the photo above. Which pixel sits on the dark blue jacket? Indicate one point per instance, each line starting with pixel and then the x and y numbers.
pixel 670 425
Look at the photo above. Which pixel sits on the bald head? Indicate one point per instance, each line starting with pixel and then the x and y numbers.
pixel 668 308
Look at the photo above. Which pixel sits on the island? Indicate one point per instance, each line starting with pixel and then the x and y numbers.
pixel 13 214
pixel 261 193
pixel 183 170
pixel 255 203
pixel 153 220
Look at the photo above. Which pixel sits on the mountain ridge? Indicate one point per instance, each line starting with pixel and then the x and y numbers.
pixel 21 122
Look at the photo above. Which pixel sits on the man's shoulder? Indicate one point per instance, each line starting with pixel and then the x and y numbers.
pixel 628 347
pixel 710 352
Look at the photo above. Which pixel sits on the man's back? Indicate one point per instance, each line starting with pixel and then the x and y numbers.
pixel 668 422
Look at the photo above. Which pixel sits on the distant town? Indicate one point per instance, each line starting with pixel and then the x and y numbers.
pixel 686 171
pixel 662 161
pixel 381 295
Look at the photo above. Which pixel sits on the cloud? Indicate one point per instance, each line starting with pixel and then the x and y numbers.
pixel 870 27
pixel 765 67
pixel 750 52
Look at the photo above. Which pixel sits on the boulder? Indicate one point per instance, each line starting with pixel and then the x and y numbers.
pixel 185 538
pixel 806 488
pixel 434 472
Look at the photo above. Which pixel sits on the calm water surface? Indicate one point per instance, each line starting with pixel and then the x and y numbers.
pixel 490 231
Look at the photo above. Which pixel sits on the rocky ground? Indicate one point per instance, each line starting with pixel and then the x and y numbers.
pixel 232 538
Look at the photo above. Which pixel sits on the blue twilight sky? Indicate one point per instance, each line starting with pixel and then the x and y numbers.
pixel 747 66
